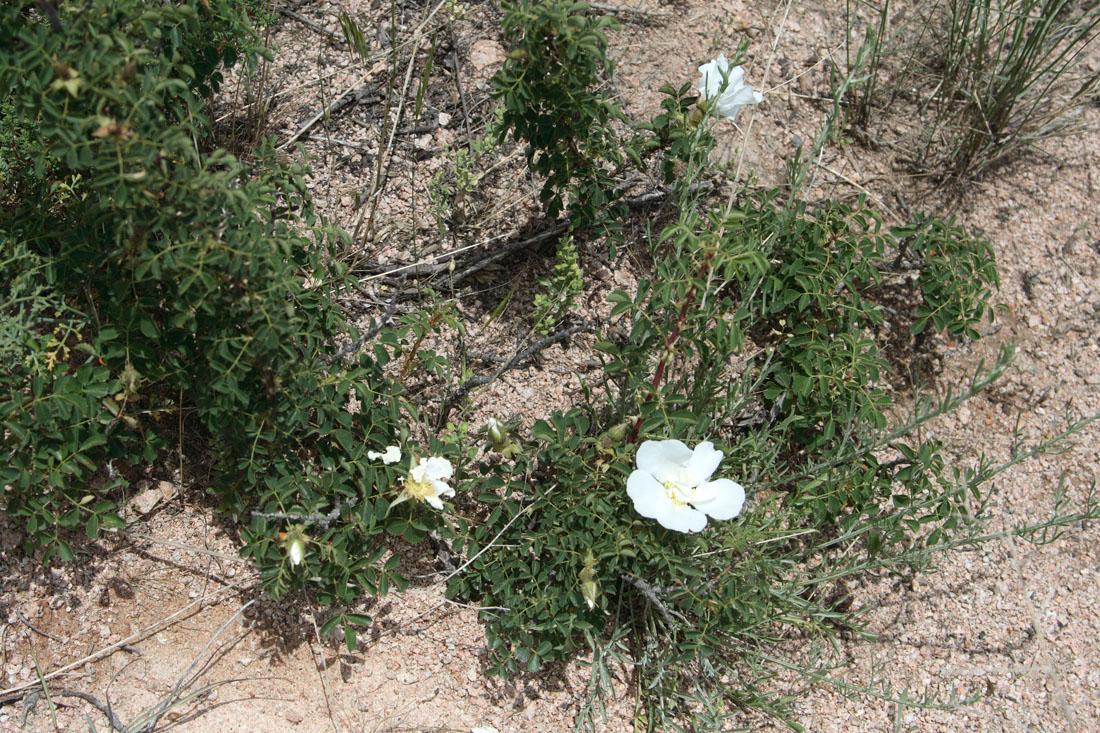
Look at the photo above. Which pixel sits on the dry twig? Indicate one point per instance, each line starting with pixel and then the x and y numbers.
pixel 653 594
pixel 32 696
pixel 483 379
pixel 137 636
pixel 313 26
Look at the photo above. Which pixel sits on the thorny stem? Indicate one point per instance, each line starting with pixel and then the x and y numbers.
pixel 416 346
pixel 670 340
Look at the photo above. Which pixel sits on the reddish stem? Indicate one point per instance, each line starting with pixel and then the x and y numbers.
pixel 416 347
pixel 670 340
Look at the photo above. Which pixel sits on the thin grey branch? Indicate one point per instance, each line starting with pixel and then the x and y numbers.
pixel 653 594
pixel 32 697
pixel 324 521
pixel 370 333
pixel 483 379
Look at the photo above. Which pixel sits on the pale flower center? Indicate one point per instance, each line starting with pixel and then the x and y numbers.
pixel 679 489
pixel 420 488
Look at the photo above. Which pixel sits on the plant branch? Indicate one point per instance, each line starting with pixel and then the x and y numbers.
pixel 483 379
pixel 370 333
pixel 670 340
pixel 336 40
pixel 321 520
pixel 31 699
pixel 652 594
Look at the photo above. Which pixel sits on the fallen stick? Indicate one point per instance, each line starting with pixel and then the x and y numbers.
pixel 397 274
pixel 357 92
pixel 623 10
pixel 16 692
pixel 312 25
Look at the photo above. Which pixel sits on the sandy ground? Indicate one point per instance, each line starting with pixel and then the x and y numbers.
pixel 168 610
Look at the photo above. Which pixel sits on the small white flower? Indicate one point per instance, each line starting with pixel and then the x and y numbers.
pixel 673 486
pixel 725 86
pixel 427 481
pixel 391 455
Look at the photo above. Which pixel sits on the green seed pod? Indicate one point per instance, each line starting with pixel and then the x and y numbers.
pixel 591 592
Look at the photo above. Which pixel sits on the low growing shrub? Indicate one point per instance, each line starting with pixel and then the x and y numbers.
pixel 166 279
pixel 733 463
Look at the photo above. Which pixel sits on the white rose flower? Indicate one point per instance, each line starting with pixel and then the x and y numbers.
pixel 723 87
pixel 673 486
pixel 427 481
pixel 391 455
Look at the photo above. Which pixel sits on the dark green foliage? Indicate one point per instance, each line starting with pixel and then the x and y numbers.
pixel 573 505
pixel 183 274
pixel 549 89
pixel 806 410
pixel 677 131
pixel 827 371
pixel 957 276
pixel 147 275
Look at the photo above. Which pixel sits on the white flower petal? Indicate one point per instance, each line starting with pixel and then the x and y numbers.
pixel 650 498
pixel 442 489
pixel 663 459
pixel 731 101
pixel 681 518
pixel 391 455
pixel 435 502
pixel 710 84
pixel 437 468
pixel 652 501
pixel 735 78
pixel 720 499
pixel 730 92
pixel 703 462
pixel 297 551
pixel 710 81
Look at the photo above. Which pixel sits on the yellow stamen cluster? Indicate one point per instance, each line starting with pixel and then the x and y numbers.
pixel 419 489
pixel 679 490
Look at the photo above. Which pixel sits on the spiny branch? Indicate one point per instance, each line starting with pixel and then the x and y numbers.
pixel 321 520
pixel 397 274
pixel 370 333
pixel 653 594
pixel 32 696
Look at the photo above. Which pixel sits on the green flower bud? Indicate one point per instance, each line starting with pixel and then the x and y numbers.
pixel 590 590
pixel 498 434
pixel 615 435
pixel 618 432
pixel 294 543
